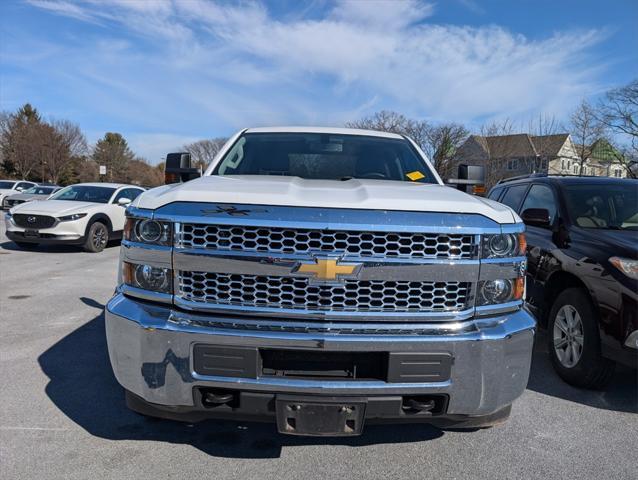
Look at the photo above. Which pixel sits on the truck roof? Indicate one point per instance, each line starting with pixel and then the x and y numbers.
pixel 328 130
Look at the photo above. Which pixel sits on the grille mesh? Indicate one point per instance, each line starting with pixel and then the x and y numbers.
pixel 283 240
pixel 299 293
pixel 37 221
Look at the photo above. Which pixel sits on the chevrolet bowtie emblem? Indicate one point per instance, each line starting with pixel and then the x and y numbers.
pixel 328 269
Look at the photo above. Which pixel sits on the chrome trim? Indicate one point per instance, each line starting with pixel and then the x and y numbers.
pixel 334 328
pixel 503 268
pixel 152 357
pixel 145 294
pixel 263 264
pixel 498 308
pixel 146 254
pixel 329 315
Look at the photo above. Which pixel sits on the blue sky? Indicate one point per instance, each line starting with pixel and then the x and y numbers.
pixel 167 72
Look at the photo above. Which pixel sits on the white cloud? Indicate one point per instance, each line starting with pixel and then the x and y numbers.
pixel 236 65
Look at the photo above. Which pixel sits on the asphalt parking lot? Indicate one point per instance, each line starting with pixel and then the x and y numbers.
pixel 63 414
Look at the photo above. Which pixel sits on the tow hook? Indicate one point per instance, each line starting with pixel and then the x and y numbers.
pixel 212 398
pixel 418 405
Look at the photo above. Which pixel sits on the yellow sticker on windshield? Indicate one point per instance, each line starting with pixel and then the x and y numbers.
pixel 414 176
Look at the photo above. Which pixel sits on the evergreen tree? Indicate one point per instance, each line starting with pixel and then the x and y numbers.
pixel 113 152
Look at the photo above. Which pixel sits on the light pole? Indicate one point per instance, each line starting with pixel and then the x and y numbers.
pixel 44 162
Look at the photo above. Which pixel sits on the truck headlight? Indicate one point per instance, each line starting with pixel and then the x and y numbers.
pixel 146 230
pixel 502 290
pixel 148 277
pixel 504 245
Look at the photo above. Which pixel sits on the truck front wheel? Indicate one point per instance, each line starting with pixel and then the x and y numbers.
pixel 574 342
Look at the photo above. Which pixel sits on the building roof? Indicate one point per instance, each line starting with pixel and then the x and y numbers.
pixel 521 145
pixel 549 145
pixel 505 146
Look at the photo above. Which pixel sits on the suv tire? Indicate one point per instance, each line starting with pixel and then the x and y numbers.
pixel 574 341
pixel 97 236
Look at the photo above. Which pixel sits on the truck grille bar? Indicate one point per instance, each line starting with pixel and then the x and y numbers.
pixel 301 241
pixel 299 293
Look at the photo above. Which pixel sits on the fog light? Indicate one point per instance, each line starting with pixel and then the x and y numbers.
pixel 147 277
pixel 495 291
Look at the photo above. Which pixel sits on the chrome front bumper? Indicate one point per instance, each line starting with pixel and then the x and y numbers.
pixel 151 345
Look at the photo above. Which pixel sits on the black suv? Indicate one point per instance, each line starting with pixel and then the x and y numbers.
pixel 582 254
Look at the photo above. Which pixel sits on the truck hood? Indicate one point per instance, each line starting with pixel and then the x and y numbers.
pixel 55 208
pixel 352 194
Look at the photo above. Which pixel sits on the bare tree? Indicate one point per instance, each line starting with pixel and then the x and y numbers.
pixel 203 151
pixel 389 121
pixel 585 129
pixel 62 141
pixel 544 125
pixel 497 127
pixel 618 111
pixel 141 173
pixel 441 145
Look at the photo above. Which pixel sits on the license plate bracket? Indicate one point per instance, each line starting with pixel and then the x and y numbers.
pixel 314 416
pixel 32 234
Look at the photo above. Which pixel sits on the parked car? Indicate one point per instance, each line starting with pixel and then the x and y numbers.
pixel 11 187
pixel 320 278
pixel 39 192
pixel 88 214
pixel 582 277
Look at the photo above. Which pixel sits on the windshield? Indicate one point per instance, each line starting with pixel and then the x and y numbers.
pixel 612 206
pixel 84 193
pixel 39 190
pixel 7 185
pixel 325 157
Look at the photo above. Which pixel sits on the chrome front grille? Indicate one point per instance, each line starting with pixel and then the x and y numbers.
pixel 303 241
pixel 279 292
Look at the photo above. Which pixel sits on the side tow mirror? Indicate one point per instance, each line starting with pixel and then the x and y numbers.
pixel 178 168
pixel 471 179
pixel 536 217
pixel 124 201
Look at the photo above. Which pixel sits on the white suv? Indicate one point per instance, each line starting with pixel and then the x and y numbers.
pixel 88 214
pixel 11 187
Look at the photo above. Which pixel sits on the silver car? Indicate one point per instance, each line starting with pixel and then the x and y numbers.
pixel 38 192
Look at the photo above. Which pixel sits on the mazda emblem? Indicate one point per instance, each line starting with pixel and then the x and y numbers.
pixel 31 219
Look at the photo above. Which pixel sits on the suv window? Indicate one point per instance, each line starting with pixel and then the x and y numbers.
pixel 24 185
pixel 513 196
pixel 541 196
pixel 494 194
pixel 130 193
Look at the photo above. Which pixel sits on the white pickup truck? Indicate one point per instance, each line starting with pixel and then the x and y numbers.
pixel 320 278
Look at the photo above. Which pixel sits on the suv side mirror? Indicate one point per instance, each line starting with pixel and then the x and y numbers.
pixel 178 168
pixel 537 217
pixel 19 189
pixel 470 176
pixel 124 201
